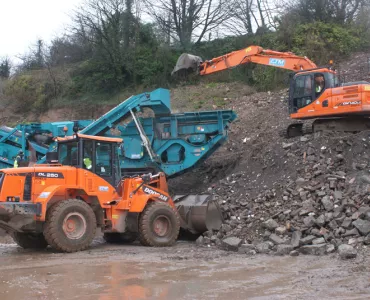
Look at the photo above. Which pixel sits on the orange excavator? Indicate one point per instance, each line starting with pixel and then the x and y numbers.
pixel 316 93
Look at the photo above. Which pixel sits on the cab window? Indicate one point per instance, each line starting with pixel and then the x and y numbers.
pixel 68 153
pixel 319 84
pixel 333 80
pixel 103 159
pixel 302 94
pixel 87 158
pixel 303 86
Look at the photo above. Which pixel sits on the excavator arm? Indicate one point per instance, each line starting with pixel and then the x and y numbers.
pixel 252 54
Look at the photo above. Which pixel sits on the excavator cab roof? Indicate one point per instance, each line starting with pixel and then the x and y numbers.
pixel 316 70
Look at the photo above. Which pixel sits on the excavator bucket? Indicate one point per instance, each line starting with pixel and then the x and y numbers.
pixel 186 64
pixel 198 213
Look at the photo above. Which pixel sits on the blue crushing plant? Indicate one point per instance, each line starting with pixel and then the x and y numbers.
pixel 154 138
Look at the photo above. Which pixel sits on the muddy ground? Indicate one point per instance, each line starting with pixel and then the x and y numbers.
pixel 254 150
pixel 180 272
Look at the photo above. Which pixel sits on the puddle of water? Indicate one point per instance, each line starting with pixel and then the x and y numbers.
pixel 103 276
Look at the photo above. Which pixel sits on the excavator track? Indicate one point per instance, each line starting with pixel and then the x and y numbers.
pixel 308 127
pixel 293 130
pixel 354 124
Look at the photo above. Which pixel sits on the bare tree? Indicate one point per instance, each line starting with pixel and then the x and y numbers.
pixel 188 21
pixel 106 24
pixel 346 10
pixel 250 16
pixel 339 11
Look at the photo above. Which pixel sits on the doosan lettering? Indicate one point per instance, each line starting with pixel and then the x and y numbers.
pixel 160 196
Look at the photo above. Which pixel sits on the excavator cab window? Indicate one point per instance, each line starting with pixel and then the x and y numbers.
pixel 301 91
pixel 332 80
pixel 319 84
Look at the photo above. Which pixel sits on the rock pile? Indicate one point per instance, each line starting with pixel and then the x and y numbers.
pixel 324 209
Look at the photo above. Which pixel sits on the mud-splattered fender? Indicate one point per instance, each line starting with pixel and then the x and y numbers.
pixel 45 197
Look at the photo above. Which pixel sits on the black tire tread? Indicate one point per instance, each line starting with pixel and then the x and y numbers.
pixel 51 230
pixel 144 237
pixel 119 238
pixel 30 240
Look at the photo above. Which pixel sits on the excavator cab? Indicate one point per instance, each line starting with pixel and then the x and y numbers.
pixel 307 86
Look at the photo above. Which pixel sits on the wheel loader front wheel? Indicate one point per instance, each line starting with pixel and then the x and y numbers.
pixel 70 226
pixel 30 240
pixel 159 225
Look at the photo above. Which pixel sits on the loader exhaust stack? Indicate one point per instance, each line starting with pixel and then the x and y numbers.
pixel 198 213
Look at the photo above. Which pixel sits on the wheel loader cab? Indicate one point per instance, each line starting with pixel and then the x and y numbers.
pixel 95 154
pixel 307 86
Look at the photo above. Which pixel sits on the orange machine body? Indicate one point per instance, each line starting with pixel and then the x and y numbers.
pixel 41 186
pixel 339 101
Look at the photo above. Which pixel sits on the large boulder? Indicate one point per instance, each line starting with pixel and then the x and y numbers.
pixel 346 251
pixel 231 243
pixel 271 224
pixel 362 225
pixel 319 249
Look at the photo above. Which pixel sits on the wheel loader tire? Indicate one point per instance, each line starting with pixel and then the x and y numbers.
pixel 30 240
pixel 120 238
pixel 70 226
pixel 159 225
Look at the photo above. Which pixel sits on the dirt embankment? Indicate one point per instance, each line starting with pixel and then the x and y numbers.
pixel 308 194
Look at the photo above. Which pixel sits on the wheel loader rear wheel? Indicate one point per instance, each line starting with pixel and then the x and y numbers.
pixel 30 240
pixel 70 226
pixel 159 225
pixel 120 238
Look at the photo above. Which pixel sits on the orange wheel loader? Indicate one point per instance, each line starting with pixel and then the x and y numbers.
pixel 80 189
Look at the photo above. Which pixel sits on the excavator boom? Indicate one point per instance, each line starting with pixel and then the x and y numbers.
pixel 252 54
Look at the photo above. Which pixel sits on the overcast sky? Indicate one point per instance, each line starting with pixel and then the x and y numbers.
pixel 22 22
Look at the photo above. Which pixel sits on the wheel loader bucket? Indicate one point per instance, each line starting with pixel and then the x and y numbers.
pixel 186 63
pixel 198 213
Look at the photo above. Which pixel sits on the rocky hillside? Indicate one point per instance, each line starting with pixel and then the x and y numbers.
pixel 303 195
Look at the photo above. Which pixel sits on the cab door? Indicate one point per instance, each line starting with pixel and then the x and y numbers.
pixel 301 92
pixel 104 161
